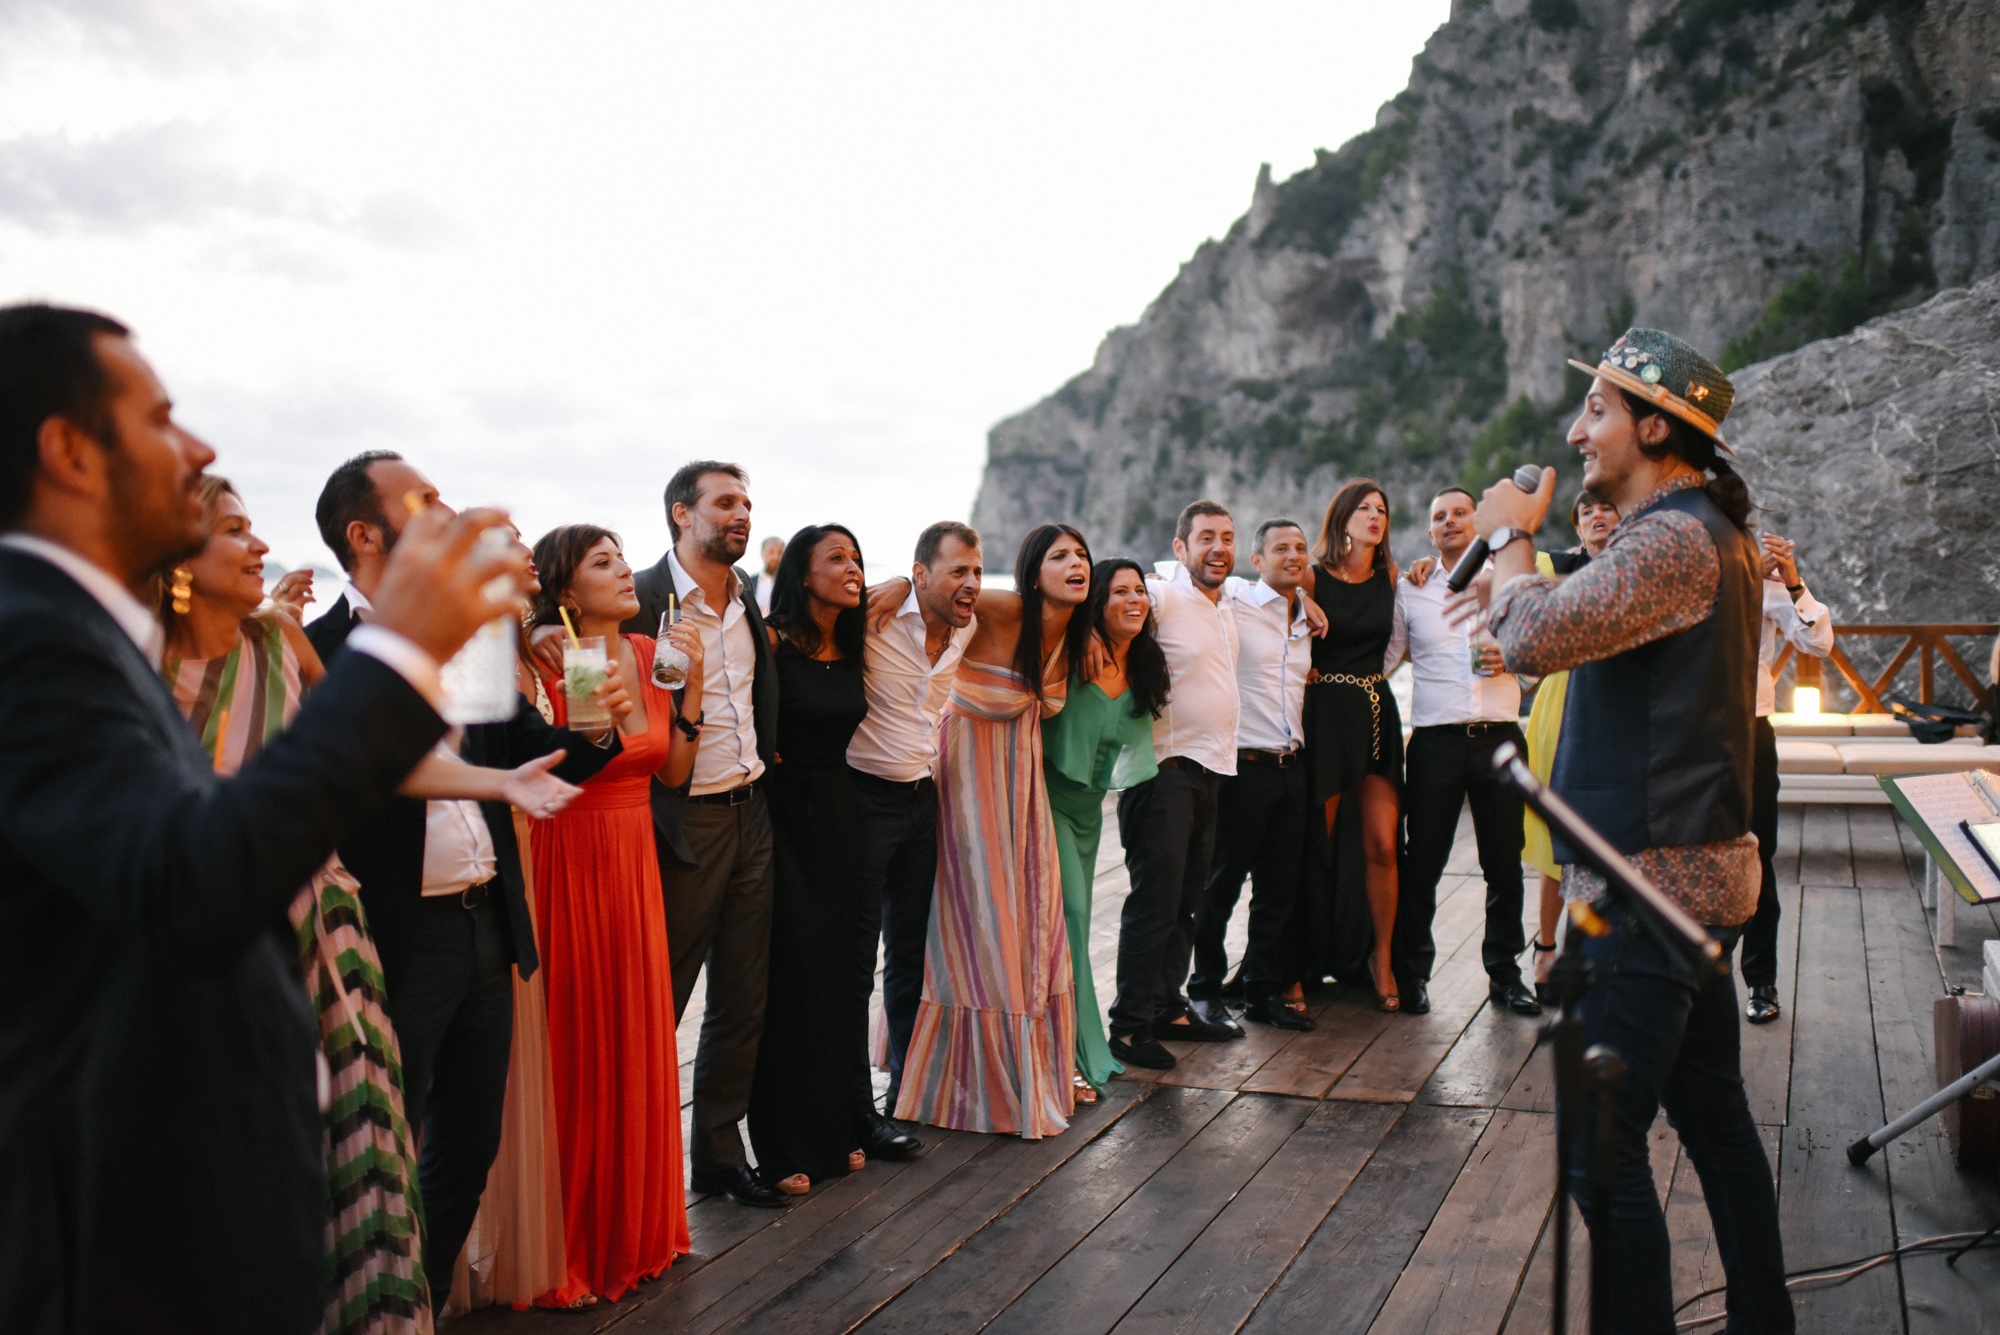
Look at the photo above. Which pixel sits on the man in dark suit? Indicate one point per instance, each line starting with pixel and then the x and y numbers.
pixel 443 888
pixel 161 1150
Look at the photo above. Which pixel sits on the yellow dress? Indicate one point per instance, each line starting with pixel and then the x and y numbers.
pixel 1545 720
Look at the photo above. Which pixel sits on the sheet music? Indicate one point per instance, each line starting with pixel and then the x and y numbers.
pixel 1943 800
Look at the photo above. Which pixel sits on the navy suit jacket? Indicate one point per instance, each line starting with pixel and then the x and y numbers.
pixel 162 1166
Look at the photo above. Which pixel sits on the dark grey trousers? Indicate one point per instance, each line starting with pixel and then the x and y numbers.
pixel 719 915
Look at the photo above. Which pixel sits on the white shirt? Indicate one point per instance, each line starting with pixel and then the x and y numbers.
pixel 1275 656
pixel 906 695
pixel 1199 637
pixel 763 593
pixel 1444 687
pixel 727 756
pixel 458 848
pixel 1806 623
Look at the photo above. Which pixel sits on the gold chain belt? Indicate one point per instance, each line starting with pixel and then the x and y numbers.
pixel 1371 684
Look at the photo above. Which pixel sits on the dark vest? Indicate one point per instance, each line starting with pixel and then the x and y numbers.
pixel 1656 745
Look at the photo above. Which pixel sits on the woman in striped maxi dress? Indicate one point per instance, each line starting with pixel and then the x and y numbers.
pixel 237 673
pixel 994 1044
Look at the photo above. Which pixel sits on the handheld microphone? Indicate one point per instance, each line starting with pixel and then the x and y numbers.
pixel 1527 477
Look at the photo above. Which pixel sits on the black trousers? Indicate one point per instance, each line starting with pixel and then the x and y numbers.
pixel 898 844
pixel 1260 832
pixel 1682 1047
pixel 719 917
pixel 1446 769
pixel 451 999
pixel 1167 826
pixel 1760 935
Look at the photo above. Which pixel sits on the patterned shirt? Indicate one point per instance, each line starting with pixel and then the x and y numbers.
pixel 1659 575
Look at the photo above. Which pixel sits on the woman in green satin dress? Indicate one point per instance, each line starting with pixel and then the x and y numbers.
pixel 1102 740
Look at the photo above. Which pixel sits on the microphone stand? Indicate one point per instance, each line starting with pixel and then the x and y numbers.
pixel 1596 1072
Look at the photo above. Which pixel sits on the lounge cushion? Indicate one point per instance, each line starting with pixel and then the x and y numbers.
pixel 1915 758
pixel 1806 757
pixel 1815 725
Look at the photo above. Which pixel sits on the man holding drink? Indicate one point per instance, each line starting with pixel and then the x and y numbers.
pixel 441 881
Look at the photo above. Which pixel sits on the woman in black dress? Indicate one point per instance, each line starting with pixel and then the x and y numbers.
pixel 801 1101
pixel 1354 732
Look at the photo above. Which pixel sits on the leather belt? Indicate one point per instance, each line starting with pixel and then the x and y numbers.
pixel 1182 762
pixel 1485 729
pixel 1246 756
pixel 730 797
pixel 894 785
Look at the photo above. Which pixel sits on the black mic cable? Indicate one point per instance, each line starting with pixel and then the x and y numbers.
pixel 1528 477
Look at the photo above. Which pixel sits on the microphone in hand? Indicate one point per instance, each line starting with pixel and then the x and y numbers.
pixel 1528 477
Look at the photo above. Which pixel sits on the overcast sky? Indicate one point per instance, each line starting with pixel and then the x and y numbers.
pixel 550 252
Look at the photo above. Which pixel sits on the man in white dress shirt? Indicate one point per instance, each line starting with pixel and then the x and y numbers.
pixel 1465 705
pixel 1261 815
pixel 1794 614
pixel 910 664
pixel 1167 824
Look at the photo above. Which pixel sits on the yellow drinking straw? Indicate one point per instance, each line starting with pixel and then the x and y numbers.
pixel 574 643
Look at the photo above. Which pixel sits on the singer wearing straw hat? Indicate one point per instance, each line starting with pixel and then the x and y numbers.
pixel 1660 634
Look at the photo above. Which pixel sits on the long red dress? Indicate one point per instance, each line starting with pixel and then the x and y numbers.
pixel 611 1018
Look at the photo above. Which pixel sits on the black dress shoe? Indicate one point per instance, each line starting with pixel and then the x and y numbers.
pixel 1144 1053
pixel 740 1184
pixel 1193 1029
pixel 1417 998
pixel 1763 1006
pixel 1271 1011
pixel 1215 1014
pixel 883 1139
pixel 1515 996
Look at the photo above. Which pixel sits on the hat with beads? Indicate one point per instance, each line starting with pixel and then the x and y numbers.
pixel 1670 375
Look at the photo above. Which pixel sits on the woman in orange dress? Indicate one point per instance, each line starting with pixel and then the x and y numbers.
pixel 610 989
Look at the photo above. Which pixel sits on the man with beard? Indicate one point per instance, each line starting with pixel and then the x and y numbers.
pixel 911 660
pixel 715 834
pixel 1262 812
pixel 162 1162
pixel 1464 706
pixel 1167 824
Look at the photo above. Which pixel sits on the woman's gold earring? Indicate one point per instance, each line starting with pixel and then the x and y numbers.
pixel 182 592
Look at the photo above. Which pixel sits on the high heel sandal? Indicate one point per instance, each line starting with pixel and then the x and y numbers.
pixel 1388 1002
pixel 1083 1091
pixel 1544 993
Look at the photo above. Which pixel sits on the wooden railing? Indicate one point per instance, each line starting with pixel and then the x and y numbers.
pixel 1928 640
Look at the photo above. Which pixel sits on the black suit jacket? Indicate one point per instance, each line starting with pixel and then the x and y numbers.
pixel 653 585
pixel 387 856
pixel 161 1156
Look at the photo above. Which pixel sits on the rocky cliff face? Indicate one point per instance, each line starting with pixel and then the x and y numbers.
pixel 1751 174
pixel 1879 453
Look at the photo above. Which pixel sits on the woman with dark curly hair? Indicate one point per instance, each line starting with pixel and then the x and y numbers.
pixel 1102 740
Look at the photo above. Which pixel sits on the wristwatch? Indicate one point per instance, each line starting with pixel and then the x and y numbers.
pixel 1504 535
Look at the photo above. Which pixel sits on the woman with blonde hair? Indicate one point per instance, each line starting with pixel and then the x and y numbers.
pixel 238 670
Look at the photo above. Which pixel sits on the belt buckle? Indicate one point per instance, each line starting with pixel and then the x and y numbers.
pixel 738 796
pixel 474 895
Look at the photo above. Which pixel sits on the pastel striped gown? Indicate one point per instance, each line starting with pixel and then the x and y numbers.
pixel 995 1039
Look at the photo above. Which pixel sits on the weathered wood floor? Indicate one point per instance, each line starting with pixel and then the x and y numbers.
pixel 1382 1173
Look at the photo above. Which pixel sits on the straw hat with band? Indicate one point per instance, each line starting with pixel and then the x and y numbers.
pixel 1671 376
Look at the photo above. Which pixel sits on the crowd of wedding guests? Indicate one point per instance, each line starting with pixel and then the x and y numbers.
pixel 499 928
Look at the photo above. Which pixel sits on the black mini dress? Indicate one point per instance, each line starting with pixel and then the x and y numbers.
pixel 1353 728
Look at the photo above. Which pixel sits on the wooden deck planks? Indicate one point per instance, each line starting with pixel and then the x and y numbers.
pixel 873 1269
pixel 1219 1280
pixel 1464 1274
pixel 1931 1195
pixel 1347 1268
pixel 1767 1048
pixel 1827 1211
pixel 1132 1248
pixel 1826 854
pixel 1001 1261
